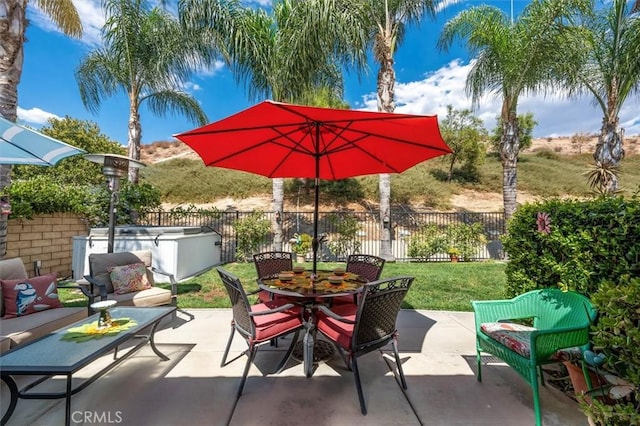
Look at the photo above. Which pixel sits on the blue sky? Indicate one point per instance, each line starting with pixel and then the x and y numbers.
pixel 427 81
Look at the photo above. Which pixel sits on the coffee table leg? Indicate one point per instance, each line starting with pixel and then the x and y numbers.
pixel 153 343
pixel 67 415
pixel 13 388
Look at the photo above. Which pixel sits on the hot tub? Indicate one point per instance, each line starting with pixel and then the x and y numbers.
pixel 182 251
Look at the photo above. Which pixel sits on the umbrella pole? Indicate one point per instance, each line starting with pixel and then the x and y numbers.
pixel 314 243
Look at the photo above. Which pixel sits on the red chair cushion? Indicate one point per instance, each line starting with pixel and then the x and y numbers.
pixel 342 300
pixel 335 330
pixel 270 326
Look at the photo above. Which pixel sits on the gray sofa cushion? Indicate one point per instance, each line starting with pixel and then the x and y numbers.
pixel 154 296
pixel 29 327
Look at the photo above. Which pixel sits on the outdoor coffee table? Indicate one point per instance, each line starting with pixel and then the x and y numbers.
pixel 311 293
pixel 52 356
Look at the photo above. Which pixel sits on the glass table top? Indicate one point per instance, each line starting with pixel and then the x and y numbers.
pixel 51 354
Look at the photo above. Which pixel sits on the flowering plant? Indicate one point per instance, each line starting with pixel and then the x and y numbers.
pixel 544 223
pixel 301 243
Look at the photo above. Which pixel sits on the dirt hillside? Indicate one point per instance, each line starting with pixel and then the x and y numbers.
pixel 469 200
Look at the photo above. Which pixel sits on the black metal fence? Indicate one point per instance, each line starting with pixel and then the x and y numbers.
pixel 403 225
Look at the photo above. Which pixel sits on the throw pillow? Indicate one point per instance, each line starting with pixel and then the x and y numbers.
pixel 129 278
pixel 28 295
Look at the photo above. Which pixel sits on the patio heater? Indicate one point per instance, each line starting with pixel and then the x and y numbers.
pixel 114 167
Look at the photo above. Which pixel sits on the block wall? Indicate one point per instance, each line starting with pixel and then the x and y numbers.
pixel 46 238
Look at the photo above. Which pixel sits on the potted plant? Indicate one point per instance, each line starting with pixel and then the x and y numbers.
pixel 454 254
pixel 301 246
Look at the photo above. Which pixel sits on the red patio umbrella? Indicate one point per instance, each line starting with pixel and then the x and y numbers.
pixel 280 140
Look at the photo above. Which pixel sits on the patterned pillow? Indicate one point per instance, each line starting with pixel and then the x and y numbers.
pixel 28 295
pixel 129 278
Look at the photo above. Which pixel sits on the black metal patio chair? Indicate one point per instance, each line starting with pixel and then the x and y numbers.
pixel 360 329
pixel 258 323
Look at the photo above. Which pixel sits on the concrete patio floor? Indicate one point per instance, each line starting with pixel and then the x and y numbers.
pixel 437 352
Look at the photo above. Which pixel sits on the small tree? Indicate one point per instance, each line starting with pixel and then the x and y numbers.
pixel 250 233
pixel 579 139
pixel 526 123
pixel 465 135
pixel 345 242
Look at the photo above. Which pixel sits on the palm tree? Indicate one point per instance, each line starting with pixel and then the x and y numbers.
pixel 285 54
pixel 512 59
pixel 148 55
pixel 610 72
pixel 386 22
pixel 13 25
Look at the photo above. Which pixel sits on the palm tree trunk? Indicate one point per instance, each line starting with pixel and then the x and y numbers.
pixel 386 83
pixel 135 135
pixel 278 208
pixel 609 151
pixel 12 28
pixel 509 149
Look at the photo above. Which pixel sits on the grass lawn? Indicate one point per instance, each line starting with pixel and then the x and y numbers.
pixel 438 286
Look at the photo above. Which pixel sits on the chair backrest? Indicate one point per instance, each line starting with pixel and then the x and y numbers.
pixel 99 264
pixel 366 266
pixel 239 303
pixel 554 308
pixel 270 263
pixel 378 311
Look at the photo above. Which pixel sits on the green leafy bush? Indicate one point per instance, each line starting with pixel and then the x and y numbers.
pixel 572 244
pixel 345 240
pixel 427 241
pixel 41 194
pixel 459 239
pixel 617 335
pixel 303 244
pixel 251 231
pixel 466 238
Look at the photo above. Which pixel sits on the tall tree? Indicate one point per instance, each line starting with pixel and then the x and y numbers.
pixel 13 25
pixel 283 54
pixel 383 23
pixel 148 55
pixel 512 59
pixel 609 70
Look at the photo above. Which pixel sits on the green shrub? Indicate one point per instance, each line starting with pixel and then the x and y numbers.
pixel 41 194
pixel 303 244
pixel 466 238
pixel 616 334
pixel 587 242
pixel 345 240
pixel 251 231
pixel 427 241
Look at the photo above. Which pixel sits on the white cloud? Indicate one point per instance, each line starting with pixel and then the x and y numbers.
pixel 191 87
pixel 210 71
pixel 35 116
pixel 556 115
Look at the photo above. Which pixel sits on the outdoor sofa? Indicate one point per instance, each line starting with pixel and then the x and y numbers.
pixel 29 307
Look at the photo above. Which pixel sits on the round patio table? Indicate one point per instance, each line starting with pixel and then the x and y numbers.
pixel 312 291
